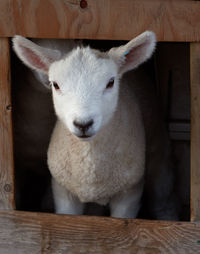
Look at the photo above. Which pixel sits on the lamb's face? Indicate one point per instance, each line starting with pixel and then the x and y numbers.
pixel 85 91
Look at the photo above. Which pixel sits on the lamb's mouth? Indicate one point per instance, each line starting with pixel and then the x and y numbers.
pixel 85 137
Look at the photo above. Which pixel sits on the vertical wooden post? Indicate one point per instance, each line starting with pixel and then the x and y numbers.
pixel 195 130
pixel 6 139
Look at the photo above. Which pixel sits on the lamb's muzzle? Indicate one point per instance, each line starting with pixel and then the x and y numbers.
pixel 83 128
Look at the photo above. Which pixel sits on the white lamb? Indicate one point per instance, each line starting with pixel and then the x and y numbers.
pixel 98 146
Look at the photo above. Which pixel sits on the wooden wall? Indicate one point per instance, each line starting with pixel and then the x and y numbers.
pixel 6 140
pixel 34 233
pixel 195 130
pixel 173 20
pixel 22 232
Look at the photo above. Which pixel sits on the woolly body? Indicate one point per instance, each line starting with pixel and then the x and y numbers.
pixel 111 162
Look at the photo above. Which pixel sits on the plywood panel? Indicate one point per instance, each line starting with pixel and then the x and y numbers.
pixel 23 233
pixel 6 144
pixel 195 130
pixel 106 19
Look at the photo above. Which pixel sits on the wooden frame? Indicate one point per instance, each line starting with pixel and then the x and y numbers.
pixel 23 232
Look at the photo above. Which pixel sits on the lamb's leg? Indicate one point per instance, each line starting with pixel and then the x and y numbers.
pixel 127 204
pixel 65 202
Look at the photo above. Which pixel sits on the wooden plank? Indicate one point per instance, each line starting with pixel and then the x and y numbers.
pixel 195 130
pixel 24 232
pixel 6 142
pixel 106 19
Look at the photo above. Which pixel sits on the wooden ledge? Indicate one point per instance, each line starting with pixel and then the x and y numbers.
pixel 26 232
pixel 172 20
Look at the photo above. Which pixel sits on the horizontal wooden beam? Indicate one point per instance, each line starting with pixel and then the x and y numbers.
pixel 25 232
pixel 106 19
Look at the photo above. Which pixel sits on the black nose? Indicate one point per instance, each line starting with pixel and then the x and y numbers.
pixel 83 126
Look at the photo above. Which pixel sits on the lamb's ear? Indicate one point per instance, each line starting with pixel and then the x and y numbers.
pixel 34 56
pixel 135 52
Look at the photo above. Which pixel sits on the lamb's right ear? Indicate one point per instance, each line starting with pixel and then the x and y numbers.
pixel 135 52
pixel 34 56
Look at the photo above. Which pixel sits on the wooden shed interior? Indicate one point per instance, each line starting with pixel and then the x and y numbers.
pixel 174 67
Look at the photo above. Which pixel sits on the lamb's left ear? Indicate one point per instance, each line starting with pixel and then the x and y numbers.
pixel 36 57
pixel 135 52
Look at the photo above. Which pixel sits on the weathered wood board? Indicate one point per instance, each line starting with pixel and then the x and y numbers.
pixel 195 130
pixel 23 232
pixel 172 20
pixel 6 141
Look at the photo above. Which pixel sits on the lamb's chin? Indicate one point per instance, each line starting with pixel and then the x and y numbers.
pixel 89 138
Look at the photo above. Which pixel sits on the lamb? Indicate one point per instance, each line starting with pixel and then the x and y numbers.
pixel 108 139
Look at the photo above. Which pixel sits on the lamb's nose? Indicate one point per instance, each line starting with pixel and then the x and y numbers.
pixel 83 126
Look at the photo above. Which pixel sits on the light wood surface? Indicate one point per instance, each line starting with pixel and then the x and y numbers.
pixel 22 232
pixel 195 130
pixel 173 20
pixel 49 233
pixel 6 144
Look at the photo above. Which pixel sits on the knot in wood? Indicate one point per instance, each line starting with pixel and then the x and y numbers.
pixel 7 187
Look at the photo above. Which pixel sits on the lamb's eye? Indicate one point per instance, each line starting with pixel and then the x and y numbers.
pixel 110 83
pixel 56 86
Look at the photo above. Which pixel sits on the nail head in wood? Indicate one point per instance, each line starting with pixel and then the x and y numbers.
pixel 83 4
pixel 9 107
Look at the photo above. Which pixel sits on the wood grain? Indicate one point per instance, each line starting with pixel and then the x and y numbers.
pixel 195 130
pixel 23 232
pixel 172 20
pixel 6 143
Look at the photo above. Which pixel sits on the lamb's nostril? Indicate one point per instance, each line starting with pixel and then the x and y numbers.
pixel 83 126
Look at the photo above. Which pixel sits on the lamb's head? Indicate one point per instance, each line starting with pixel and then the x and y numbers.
pixel 85 82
